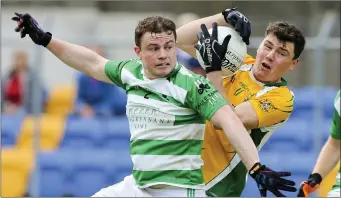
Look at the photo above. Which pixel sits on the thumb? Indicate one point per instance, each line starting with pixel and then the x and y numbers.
pixel 197 46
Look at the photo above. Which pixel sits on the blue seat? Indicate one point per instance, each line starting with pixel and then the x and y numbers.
pixel 91 171
pixel 10 127
pixel 116 134
pixel 82 133
pixel 298 163
pixel 54 169
pixel 304 98
pixel 294 135
pixel 304 104
pixel 123 166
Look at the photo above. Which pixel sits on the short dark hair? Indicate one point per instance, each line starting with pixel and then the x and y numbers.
pixel 154 24
pixel 288 33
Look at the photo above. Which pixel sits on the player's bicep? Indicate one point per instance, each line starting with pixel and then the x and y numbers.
pixel 99 70
pixel 204 98
pixel 247 115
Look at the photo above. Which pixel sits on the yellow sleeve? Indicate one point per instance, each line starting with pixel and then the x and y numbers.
pixel 273 107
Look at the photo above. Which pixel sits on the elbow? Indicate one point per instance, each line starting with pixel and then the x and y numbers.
pixel 224 114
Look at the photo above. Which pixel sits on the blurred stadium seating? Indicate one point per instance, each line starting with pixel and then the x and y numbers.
pixel 82 155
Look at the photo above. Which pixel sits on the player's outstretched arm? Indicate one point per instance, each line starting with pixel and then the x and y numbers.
pixel 327 160
pixel 266 179
pixel 187 34
pixel 78 57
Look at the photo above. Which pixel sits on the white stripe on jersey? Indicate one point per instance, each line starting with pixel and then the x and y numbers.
pixel 162 86
pixel 161 162
pixel 337 105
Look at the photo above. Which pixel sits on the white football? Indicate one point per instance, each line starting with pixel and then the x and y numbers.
pixel 235 54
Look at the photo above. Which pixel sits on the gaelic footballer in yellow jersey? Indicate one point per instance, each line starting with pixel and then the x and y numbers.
pixel 258 92
pixel 224 173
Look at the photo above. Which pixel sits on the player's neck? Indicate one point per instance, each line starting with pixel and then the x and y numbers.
pixel 254 74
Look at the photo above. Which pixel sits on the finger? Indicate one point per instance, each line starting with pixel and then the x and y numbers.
pixel 286 188
pixel 262 190
pixel 285 182
pixel 197 46
pixel 215 31
pixel 226 41
pixel 262 193
pixel 19 15
pixel 247 39
pixel 201 37
pixel 18 29
pixel 283 174
pixel 23 33
pixel 276 193
pixel 205 31
pixel 15 18
pixel 239 26
pixel 245 32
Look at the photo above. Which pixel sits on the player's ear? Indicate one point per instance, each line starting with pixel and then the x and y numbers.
pixel 138 52
pixel 294 64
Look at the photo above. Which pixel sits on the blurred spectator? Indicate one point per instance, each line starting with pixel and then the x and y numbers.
pixel 187 60
pixel 18 85
pixel 96 98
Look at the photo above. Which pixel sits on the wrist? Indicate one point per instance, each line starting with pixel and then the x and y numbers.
pixel 254 169
pixel 315 177
pixel 46 39
pixel 212 69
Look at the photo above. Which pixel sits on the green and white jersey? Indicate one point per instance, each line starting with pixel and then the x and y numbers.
pixel 335 130
pixel 166 119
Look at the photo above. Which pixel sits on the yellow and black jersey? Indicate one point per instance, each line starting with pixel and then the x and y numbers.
pixel 224 173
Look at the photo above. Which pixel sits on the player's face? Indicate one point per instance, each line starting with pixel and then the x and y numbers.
pixel 157 53
pixel 274 58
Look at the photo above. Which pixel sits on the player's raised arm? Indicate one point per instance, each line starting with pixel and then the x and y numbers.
pixel 187 34
pixel 78 57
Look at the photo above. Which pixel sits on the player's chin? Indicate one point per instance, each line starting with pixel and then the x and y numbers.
pixel 163 71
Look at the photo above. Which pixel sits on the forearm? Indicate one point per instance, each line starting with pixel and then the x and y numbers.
pixel 238 136
pixel 187 34
pixel 328 158
pixel 79 58
pixel 215 78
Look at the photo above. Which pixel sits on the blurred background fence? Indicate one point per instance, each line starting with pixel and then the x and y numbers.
pixel 82 148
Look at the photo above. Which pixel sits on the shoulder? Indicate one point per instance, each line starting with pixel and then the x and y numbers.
pixel 279 93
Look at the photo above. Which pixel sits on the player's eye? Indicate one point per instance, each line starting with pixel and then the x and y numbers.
pixel 169 47
pixel 283 53
pixel 153 49
pixel 267 47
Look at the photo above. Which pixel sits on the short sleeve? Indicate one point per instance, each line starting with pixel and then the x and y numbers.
pixel 273 107
pixel 335 128
pixel 113 70
pixel 204 98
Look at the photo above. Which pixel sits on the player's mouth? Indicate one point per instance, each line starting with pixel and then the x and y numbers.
pixel 162 65
pixel 266 66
